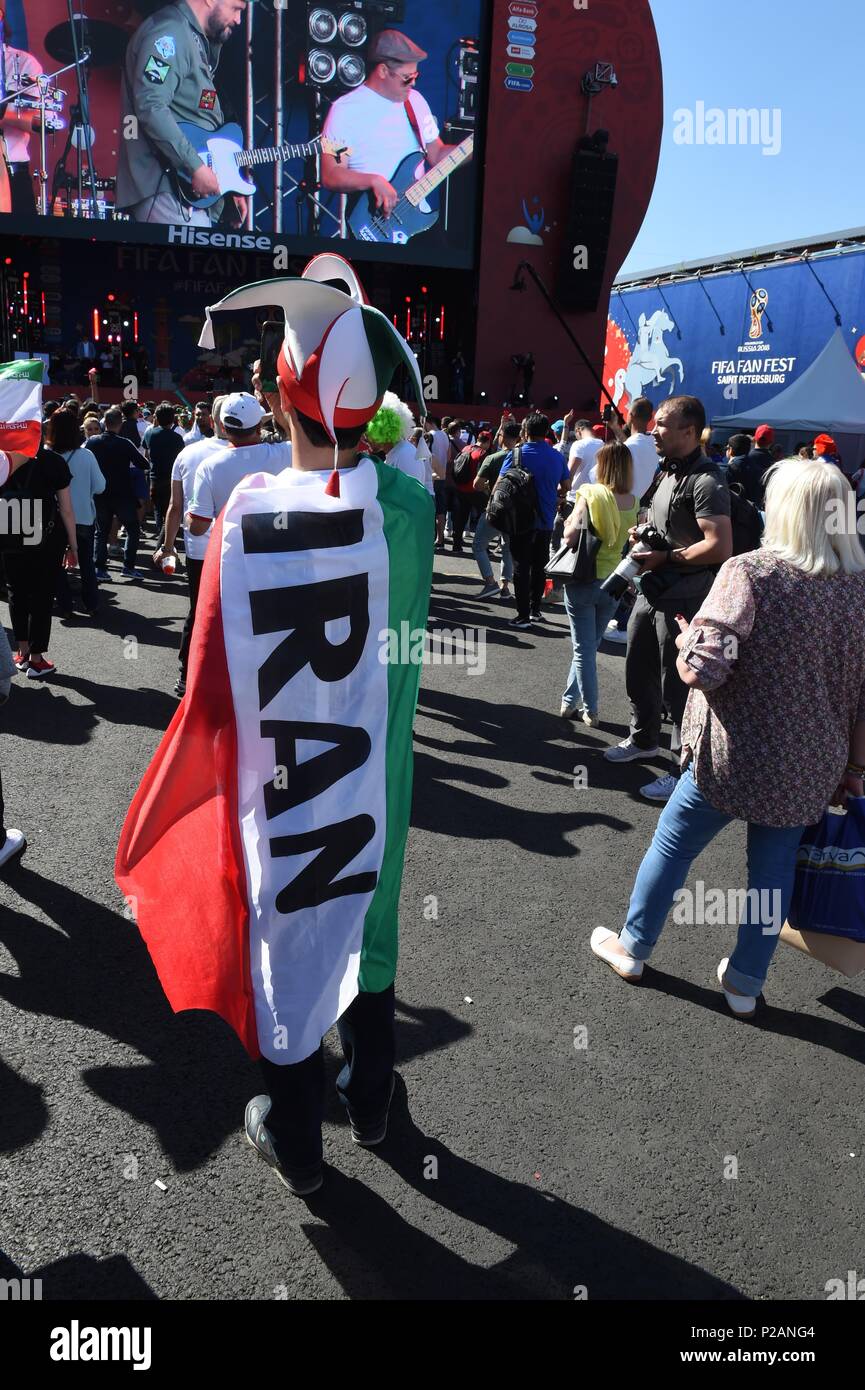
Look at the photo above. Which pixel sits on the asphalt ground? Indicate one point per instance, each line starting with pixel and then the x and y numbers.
pixel 556 1133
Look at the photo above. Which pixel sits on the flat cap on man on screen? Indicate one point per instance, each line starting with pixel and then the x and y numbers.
pixel 390 43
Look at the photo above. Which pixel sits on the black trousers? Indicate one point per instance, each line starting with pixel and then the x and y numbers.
pixel 531 554
pixel 366 1031
pixel 31 579
pixel 651 678
pixel 193 579
pixel 466 505
pixel 2 817
pixel 21 188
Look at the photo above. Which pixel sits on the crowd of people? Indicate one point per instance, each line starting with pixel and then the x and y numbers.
pixel 708 561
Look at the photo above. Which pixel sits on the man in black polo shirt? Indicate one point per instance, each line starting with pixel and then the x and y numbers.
pixel 691 509
pixel 163 443
pixel 117 459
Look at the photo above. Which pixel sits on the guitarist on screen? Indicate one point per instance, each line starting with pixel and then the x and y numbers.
pixel 374 121
pixel 169 77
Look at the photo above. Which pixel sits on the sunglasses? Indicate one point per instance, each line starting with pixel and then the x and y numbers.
pixel 406 81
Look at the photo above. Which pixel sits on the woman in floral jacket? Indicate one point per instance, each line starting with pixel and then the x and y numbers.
pixel 774 728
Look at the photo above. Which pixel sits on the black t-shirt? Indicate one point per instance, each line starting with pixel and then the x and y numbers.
pixel 676 507
pixel 116 457
pixel 163 447
pixel 36 482
pixel 129 430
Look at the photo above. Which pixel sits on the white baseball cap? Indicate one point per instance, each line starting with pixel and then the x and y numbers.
pixel 241 411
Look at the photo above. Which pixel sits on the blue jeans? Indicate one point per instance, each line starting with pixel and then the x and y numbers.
pixel 589 610
pixel 484 534
pixel 688 823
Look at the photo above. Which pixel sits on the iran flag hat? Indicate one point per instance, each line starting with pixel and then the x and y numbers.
pixel 339 354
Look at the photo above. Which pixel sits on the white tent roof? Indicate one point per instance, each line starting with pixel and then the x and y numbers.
pixel 830 395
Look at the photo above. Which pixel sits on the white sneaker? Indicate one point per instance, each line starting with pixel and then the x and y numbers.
pixel 628 752
pixel 742 1005
pixel 662 789
pixel 626 966
pixel 15 845
pixel 614 634
pixel 591 719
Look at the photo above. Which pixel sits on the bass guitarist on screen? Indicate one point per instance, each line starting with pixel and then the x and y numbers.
pixel 383 122
pixel 169 77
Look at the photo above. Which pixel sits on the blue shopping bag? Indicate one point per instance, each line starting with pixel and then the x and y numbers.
pixel 829 893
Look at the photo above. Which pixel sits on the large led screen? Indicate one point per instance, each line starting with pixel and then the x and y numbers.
pixel 259 125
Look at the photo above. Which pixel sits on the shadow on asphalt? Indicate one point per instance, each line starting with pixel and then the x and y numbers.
pixel 23 1113
pixel 83 1276
pixel 373 1252
pixel 53 719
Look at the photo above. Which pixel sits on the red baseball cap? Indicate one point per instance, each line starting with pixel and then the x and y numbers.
pixel 600 430
pixel 764 434
pixel 825 444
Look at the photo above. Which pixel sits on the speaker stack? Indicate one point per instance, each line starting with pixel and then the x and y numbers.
pixel 338 37
pixel 588 224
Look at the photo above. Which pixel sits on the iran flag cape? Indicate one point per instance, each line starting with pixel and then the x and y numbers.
pixel 21 406
pixel 263 852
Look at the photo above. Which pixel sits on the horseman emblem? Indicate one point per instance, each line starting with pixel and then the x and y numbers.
pixel 650 361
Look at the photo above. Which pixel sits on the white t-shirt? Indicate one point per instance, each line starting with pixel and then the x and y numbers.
pixel 185 467
pixel 646 461
pixel 404 457
pixel 441 451
pixel 18 65
pixel 219 474
pixel 378 131
pixel 192 436
pixel 583 453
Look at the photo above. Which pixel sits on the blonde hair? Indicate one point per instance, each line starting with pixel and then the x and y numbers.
pixel 615 466
pixel 807 518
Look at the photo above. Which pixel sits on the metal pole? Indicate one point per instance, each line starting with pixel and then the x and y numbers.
pixel 250 105
pixel 278 115
pixel 524 265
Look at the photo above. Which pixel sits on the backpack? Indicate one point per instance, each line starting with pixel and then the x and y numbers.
pixel 513 506
pixel 467 464
pixel 745 519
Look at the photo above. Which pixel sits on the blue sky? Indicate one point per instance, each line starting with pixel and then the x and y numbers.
pixel 801 57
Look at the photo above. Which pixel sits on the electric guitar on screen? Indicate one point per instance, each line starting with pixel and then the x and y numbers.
pixel 412 213
pixel 222 151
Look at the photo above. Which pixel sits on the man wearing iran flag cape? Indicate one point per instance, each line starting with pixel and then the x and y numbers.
pixel 263 852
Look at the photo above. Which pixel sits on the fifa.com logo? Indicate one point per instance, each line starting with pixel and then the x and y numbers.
pixel 440 646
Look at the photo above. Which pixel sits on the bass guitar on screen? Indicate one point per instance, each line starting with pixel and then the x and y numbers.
pixel 222 151
pixel 412 213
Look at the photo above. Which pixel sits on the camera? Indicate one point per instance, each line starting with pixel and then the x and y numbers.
pixel 648 538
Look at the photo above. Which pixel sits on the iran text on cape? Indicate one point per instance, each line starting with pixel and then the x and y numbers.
pixel 262 854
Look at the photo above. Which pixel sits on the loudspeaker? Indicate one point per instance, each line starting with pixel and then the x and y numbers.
pixel 337 37
pixel 588 225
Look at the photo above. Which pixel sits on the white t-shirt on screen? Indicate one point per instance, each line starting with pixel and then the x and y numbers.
pixel 17 66
pixel 378 131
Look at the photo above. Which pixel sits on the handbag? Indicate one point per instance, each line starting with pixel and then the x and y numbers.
pixel 827 913
pixel 577 564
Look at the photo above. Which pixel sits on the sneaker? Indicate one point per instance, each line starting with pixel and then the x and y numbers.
pixel 439 549
pixel 601 943
pixel 38 670
pixel 21 661
pixel 521 623
pixel 662 789
pixel 742 1005
pixel 570 712
pixel 180 686
pixel 628 752
pixel 489 590
pixel 103 575
pixel 590 719
pixel 537 618
pixel 458 550
pixel 505 594
pixel 615 634
pixel 301 1182
pixel 368 1133
pixel 15 845
pixel 130 574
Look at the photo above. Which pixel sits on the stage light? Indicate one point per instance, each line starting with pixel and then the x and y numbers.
pixel 353 30
pixel 111 298
pixel 322 25
pixel 8 260
pixel 482 395
pixel 322 66
pixel 351 69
